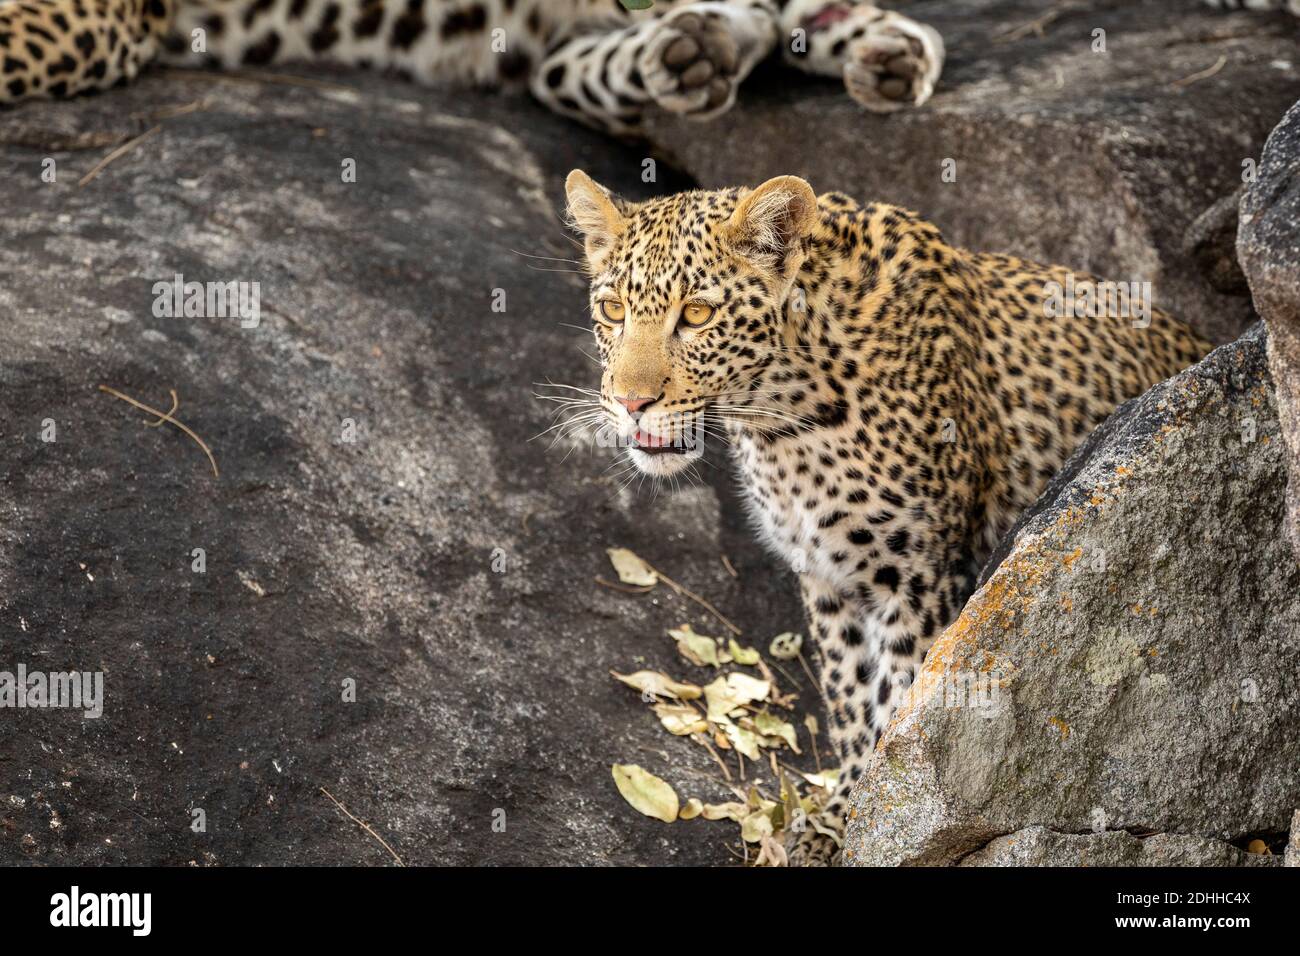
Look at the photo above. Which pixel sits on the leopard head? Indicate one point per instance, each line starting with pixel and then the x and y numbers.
pixel 688 302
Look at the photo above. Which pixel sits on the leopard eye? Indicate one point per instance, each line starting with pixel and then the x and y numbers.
pixel 612 310
pixel 697 314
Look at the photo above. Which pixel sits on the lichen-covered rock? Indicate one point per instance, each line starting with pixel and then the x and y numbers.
pixel 1132 663
pixel 1291 856
pixel 1038 846
pixel 1092 134
pixel 1268 245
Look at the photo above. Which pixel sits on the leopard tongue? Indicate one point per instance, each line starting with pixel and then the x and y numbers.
pixel 650 441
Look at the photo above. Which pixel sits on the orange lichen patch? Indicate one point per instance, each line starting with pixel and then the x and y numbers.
pixel 1122 471
pixel 1061 726
pixel 1153 653
pixel 1067 604
pixel 1069 559
pixel 1011 591
pixel 1154 611
pixel 1136 609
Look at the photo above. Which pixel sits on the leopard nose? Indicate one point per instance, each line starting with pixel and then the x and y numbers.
pixel 635 405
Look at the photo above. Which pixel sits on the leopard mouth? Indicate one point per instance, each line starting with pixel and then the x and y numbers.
pixel 649 444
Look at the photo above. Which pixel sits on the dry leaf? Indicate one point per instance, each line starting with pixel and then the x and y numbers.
pixel 646 792
pixel 745 741
pixel 724 811
pixel 630 568
pixel 769 725
pixel 757 825
pixel 826 780
pixel 786 647
pixel 790 801
pixel 660 685
pixel 694 807
pixel 742 655
pixel 699 649
pixel 681 720
pixel 727 694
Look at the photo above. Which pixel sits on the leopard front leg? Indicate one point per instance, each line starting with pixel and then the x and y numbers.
pixel 58 48
pixel 870 651
pixel 888 61
pixel 689 60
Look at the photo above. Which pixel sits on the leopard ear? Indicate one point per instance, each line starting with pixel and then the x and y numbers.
pixel 769 220
pixel 593 213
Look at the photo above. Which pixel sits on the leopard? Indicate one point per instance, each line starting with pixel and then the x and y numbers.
pixel 891 403
pixel 594 61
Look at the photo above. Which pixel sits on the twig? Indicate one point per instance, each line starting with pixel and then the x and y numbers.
pixel 126 147
pixel 166 417
pixel 807 670
pixel 694 597
pixel 168 112
pixel 817 757
pixel 786 674
pixel 1035 27
pixel 365 826
pixel 662 754
pixel 743 857
pixel 1202 75
pixel 176 403
pixel 726 563
pixel 721 763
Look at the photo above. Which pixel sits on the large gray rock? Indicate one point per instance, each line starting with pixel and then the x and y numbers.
pixel 1037 846
pixel 476 690
pixel 1269 247
pixel 1099 161
pixel 1131 663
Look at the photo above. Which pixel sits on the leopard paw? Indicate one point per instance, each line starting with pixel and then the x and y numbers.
pixel 691 66
pixel 894 66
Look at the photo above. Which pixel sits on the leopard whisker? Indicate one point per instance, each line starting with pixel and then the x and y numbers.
pixel 530 255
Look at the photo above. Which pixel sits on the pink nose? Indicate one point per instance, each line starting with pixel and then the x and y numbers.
pixel 634 405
